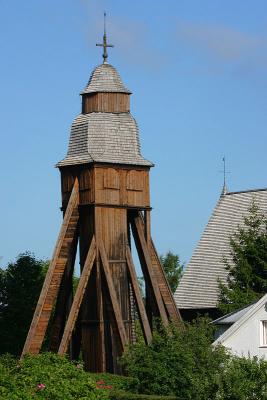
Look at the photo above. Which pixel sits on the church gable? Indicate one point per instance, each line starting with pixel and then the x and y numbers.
pixel 198 288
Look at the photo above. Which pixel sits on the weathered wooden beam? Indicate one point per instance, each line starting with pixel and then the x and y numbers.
pixel 163 283
pixel 138 298
pixel 54 275
pixel 144 254
pixel 113 296
pixel 147 226
pixel 100 314
pixel 89 262
pixel 164 287
pixel 64 300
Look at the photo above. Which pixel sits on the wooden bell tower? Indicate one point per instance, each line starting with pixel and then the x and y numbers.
pixel 105 203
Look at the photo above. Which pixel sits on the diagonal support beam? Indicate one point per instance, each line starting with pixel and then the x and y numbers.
pixel 73 315
pixel 64 300
pixel 54 275
pixel 163 284
pixel 141 245
pixel 113 296
pixel 164 287
pixel 138 298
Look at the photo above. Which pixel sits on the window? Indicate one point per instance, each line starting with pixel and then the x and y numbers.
pixel 111 179
pixel 135 181
pixel 263 333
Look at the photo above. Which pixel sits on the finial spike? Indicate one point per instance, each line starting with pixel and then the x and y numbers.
pixel 105 22
pixel 104 44
pixel 224 190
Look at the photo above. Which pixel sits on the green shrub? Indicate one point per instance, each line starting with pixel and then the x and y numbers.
pixel 117 395
pixel 111 381
pixel 184 363
pixel 243 379
pixel 46 376
pixel 181 362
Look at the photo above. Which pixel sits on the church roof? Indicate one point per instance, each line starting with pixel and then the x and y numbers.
pixel 104 137
pixel 198 288
pixel 105 78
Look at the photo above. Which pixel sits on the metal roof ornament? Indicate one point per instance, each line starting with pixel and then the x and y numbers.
pixel 105 44
pixel 224 190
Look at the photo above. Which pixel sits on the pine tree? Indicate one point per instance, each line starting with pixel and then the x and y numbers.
pixel 247 268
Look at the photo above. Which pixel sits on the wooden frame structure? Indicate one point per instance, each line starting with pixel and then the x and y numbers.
pixel 106 208
pixel 98 319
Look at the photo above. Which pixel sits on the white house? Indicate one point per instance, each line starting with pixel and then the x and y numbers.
pixel 244 332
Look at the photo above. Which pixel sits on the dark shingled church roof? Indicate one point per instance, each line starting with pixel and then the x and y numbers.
pixel 198 288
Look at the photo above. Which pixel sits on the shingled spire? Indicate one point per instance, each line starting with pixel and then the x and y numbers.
pixel 105 131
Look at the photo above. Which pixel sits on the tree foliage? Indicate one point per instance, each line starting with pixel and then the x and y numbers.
pixel 178 362
pixel 20 286
pixel 173 269
pixel 184 363
pixel 247 268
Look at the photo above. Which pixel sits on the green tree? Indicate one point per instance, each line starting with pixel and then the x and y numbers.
pixel 20 286
pixel 247 267
pixel 184 363
pixel 178 362
pixel 173 269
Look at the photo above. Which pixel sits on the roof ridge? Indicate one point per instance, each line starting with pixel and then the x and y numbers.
pixel 246 191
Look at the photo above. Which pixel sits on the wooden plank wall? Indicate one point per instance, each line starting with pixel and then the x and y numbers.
pixel 112 223
pixel 105 185
pixel 122 187
pixel 106 102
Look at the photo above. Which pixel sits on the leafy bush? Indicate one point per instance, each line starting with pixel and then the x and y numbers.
pixel 117 395
pixel 185 364
pixel 243 379
pixel 111 381
pixel 46 376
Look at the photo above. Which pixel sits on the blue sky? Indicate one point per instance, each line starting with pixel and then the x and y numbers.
pixel 198 73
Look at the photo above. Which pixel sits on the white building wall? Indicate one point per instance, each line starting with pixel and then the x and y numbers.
pixel 246 340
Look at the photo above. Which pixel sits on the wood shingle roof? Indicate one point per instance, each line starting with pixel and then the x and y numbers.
pixel 104 137
pixel 105 78
pixel 198 288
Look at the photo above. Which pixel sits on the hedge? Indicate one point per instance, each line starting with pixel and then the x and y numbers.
pixel 118 395
pixel 118 382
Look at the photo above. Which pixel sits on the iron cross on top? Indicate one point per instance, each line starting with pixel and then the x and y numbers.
pixel 104 44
